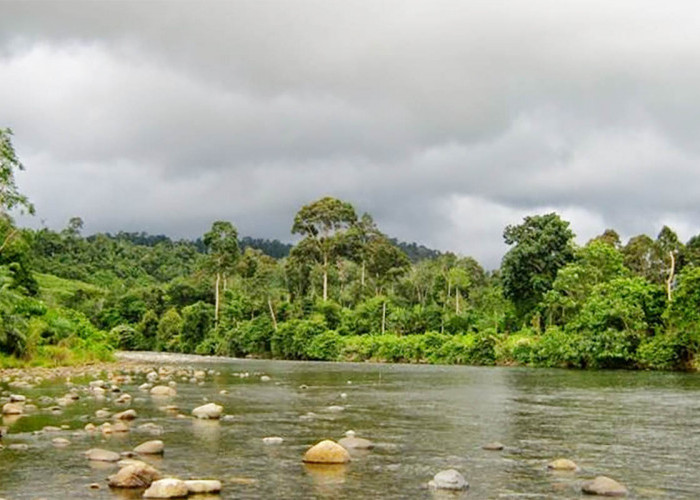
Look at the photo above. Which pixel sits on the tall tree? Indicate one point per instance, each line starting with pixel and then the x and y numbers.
pixel 324 225
pixel 222 246
pixel 668 248
pixel 10 197
pixel 543 244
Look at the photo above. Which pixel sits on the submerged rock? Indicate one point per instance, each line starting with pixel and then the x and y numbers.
pixel 273 440
pixel 449 479
pixel 167 488
pixel 208 411
pixel 351 441
pixel 100 455
pixel 326 452
pixel 134 475
pixel 604 486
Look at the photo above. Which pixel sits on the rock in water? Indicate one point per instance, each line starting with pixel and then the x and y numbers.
pixel 563 464
pixel 494 446
pixel 125 415
pixel 135 475
pixel 60 442
pixel 449 479
pixel 163 390
pixel 208 411
pixel 12 409
pixel 154 447
pixel 273 440
pixel 166 488
pixel 327 452
pixel 100 455
pixel 604 486
pixel 195 486
pixel 350 441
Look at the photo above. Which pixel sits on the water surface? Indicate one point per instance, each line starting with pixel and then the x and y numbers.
pixel 640 428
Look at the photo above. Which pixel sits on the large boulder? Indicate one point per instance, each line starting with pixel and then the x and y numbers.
pixel 208 411
pixel 352 442
pixel 326 452
pixel 154 447
pixel 563 464
pixel 195 486
pixel 134 475
pixel 100 455
pixel 604 486
pixel 449 479
pixel 167 488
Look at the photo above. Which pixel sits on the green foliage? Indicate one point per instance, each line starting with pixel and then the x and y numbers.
pixel 542 246
pixel 196 323
pixel 169 331
pixel 291 339
pixel 10 197
pixel 669 351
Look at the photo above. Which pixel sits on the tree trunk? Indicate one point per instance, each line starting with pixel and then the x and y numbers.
pixel 325 278
pixel 216 297
pixel 272 313
pixel 456 300
pixel 362 275
pixel 671 271
pixel 383 317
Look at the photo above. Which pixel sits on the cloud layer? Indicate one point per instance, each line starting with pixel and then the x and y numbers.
pixel 446 120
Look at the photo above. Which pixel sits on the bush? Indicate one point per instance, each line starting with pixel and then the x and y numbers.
pixel 557 348
pixel 669 351
pixel 325 347
pixel 516 348
pixel 472 349
pixel 292 337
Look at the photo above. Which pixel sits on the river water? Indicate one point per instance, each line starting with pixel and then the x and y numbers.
pixel 642 429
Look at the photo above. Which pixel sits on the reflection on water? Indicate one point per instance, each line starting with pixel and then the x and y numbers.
pixel 639 428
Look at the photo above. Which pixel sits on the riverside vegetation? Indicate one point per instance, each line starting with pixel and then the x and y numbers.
pixel 345 291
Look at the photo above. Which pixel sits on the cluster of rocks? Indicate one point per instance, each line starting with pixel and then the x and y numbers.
pixel 601 485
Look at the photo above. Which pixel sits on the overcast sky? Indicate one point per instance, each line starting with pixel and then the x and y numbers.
pixel 446 120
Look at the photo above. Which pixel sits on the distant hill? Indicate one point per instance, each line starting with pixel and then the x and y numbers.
pixel 416 252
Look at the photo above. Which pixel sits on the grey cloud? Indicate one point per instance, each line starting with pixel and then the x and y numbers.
pixel 446 120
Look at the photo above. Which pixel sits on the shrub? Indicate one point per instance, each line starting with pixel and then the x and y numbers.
pixel 292 337
pixel 325 346
pixel 669 351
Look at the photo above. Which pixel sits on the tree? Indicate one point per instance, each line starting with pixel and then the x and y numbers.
pixel 10 197
pixel 543 244
pixel 324 224
pixel 222 246
pixel 668 248
pixel 640 257
pixel 598 262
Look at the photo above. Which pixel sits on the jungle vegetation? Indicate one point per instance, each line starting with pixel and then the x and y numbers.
pixel 345 291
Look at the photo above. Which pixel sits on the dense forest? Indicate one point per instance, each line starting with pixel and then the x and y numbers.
pixel 345 291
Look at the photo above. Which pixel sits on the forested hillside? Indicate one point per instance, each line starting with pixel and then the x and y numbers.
pixel 347 291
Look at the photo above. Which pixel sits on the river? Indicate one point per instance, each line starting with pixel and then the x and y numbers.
pixel 642 429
